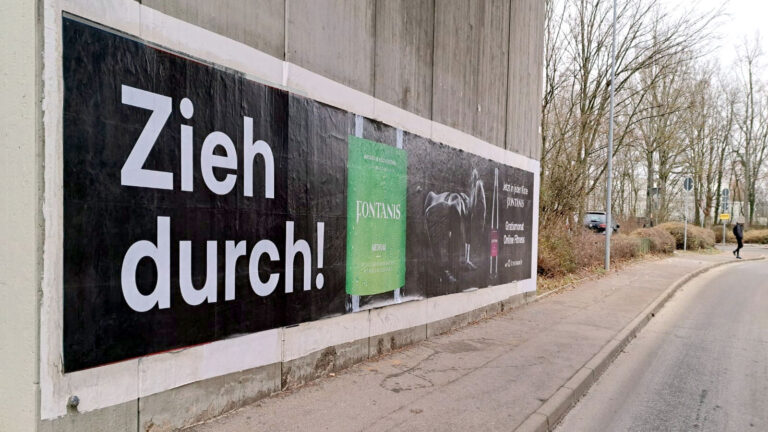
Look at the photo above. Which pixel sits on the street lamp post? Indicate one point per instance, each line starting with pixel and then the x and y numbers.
pixel 608 218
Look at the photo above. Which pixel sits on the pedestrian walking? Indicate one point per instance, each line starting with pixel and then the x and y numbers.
pixel 738 232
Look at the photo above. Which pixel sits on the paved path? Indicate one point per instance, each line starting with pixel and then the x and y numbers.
pixel 700 365
pixel 488 376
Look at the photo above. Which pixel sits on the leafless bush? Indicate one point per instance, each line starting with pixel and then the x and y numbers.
pixel 718 230
pixel 698 238
pixel 755 236
pixel 661 240
pixel 561 252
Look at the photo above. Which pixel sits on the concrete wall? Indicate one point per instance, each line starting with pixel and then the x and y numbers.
pixel 471 56
pixel 256 23
pixel 474 65
pixel 464 73
pixel 526 77
pixel 403 64
pixel 20 218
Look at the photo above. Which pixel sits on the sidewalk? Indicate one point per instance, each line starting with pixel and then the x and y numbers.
pixel 489 376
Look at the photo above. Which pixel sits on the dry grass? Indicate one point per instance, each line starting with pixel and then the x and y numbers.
pixel 698 238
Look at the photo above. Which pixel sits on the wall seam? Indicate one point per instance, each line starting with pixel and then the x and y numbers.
pixel 373 48
pixel 285 30
pixel 40 178
pixel 507 132
pixel 432 69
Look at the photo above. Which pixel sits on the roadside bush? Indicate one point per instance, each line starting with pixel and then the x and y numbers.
pixel 698 238
pixel 624 247
pixel 561 252
pixel 718 230
pixel 556 254
pixel 759 236
pixel 661 240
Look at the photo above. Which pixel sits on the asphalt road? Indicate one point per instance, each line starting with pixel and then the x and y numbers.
pixel 700 365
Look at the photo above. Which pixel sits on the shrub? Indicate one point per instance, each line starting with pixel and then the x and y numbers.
pixel 624 247
pixel 661 240
pixel 698 238
pixel 759 236
pixel 561 252
pixel 718 230
pixel 556 253
pixel 589 248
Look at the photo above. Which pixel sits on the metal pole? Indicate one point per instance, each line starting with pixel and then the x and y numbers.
pixel 685 223
pixel 723 221
pixel 608 218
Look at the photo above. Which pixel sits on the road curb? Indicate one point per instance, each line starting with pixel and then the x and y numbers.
pixel 549 414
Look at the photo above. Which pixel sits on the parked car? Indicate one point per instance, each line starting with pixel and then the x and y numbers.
pixel 595 220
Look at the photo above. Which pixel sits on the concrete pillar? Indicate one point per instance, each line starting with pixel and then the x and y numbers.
pixel 20 217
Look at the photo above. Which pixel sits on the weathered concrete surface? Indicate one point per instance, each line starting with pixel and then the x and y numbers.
pixel 700 364
pixel 320 363
pixel 198 401
pixel 403 55
pixel 256 23
pixel 452 323
pixel 117 418
pixel 333 38
pixel 20 217
pixel 488 376
pixel 526 64
pixel 388 342
pixel 474 65
pixel 470 66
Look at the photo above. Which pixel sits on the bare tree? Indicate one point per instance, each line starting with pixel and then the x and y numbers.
pixel 752 123
pixel 576 97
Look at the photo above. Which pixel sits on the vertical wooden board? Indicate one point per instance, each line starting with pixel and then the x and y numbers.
pixel 471 56
pixel 334 38
pixel 491 110
pixel 403 56
pixel 525 77
pixel 454 88
pixel 537 60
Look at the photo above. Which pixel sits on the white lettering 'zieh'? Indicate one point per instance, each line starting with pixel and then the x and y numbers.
pixel 133 172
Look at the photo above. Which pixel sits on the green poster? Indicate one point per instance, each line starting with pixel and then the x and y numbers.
pixel 377 176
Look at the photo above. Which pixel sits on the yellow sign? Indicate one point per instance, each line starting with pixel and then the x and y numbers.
pixel 725 216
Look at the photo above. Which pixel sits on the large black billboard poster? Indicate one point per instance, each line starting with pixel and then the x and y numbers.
pixel 199 205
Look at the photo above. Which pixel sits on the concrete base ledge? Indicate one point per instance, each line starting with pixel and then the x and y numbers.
pixel 197 402
pixel 388 342
pixel 299 371
pixel 552 411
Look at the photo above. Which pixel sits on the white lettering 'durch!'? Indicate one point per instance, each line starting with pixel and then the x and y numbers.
pixel 133 174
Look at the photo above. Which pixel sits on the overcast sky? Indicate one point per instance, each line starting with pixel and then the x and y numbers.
pixel 742 19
